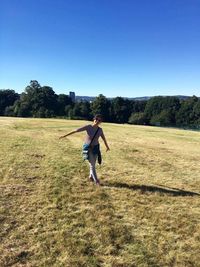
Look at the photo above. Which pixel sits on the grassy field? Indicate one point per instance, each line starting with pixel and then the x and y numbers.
pixel 146 213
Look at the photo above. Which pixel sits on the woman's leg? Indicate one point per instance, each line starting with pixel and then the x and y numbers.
pixel 92 162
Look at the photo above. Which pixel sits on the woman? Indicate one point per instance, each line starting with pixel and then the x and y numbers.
pixel 92 139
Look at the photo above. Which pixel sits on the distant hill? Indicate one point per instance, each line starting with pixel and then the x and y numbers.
pixel 143 98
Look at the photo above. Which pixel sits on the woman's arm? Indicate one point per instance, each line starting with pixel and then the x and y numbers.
pixel 73 132
pixel 105 142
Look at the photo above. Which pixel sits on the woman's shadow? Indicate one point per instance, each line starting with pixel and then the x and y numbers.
pixel 151 188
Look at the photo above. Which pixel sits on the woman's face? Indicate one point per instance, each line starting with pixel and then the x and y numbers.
pixel 97 121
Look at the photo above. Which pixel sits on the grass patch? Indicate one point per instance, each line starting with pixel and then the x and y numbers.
pixel 145 214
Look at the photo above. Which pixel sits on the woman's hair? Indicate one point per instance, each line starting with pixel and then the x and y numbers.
pixel 98 116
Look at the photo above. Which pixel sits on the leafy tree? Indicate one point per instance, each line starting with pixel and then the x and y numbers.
pixel 164 118
pixel 47 102
pixel 196 111
pixel 137 118
pixel 7 99
pixel 138 106
pixel 28 100
pixel 85 110
pixel 21 107
pixel 81 110
pixel 36 101
pixel 33 85
pixel 158 104
pixel 69 111
pixel 120 110
pixel 62 102
pixel 153 107
pixel 101 105
pixel 188 114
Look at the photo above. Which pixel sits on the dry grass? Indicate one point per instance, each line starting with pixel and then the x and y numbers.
pixel 146 213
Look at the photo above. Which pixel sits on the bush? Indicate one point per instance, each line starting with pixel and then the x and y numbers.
pixel 164 118
pixel 137 118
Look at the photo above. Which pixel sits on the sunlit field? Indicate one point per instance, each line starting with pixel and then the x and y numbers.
pixel 146 213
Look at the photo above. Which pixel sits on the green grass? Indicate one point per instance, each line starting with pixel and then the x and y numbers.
pixel 146 213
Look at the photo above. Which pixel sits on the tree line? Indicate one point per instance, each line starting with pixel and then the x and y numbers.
pixel 42 102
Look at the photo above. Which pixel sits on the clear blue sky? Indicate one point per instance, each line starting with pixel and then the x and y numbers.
pixel 114 47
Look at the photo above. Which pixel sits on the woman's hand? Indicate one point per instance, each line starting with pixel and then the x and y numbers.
pixel 107 148
pixel 62 136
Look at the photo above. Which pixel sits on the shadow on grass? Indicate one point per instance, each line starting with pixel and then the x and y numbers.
pixel 152 188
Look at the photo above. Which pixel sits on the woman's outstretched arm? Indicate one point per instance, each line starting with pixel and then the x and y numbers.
pixel 81 129
pixel 70 133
